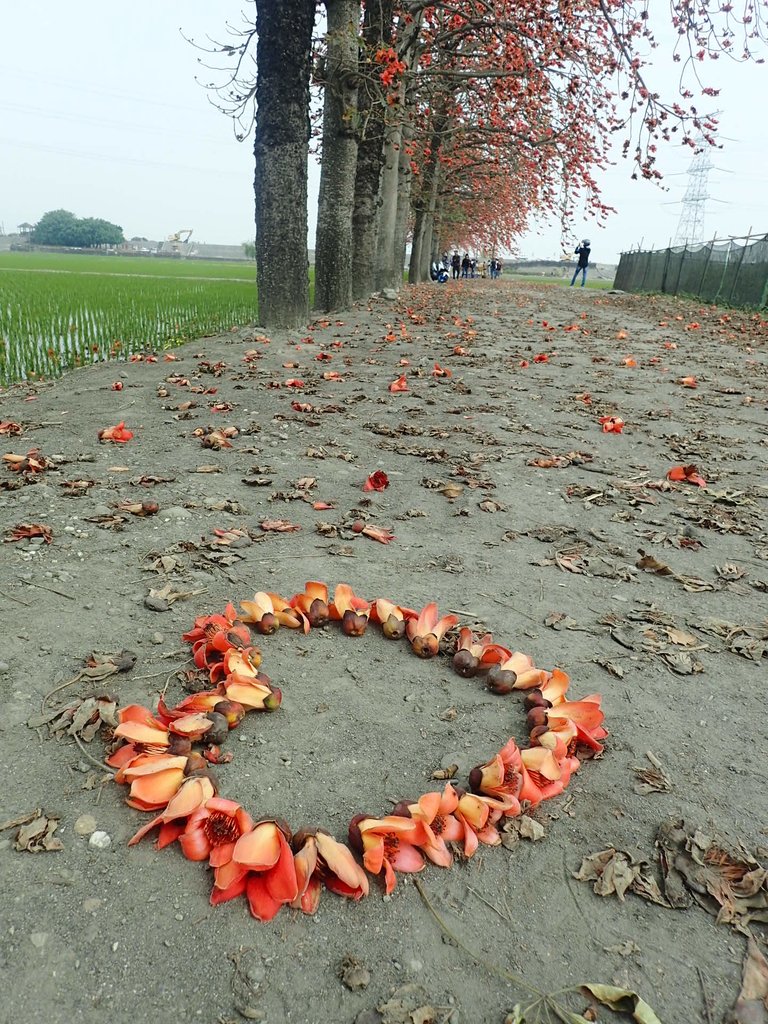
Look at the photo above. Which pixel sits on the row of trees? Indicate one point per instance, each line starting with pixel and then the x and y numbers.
pixel 452 121
pixel 60 227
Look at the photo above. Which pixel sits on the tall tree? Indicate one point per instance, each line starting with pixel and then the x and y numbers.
pixel 376 69
pixel 281 151
pixel 333 245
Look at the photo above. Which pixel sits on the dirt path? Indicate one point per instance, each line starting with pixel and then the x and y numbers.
pixel 545 558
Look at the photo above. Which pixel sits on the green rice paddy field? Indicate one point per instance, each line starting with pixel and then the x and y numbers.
pixel 59 311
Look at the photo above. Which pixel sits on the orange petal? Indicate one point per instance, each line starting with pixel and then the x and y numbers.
pixel 260 849
pixel 263 905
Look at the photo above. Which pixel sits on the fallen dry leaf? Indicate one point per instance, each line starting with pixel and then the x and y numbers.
pixel 38 836
pixel 751 1006
pixel 278 526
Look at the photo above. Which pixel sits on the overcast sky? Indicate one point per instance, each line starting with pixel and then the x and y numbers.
pixel 101 114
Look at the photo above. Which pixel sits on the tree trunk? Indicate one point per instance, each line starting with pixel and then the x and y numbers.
pixel 387 212
pixel 421 251
pixel 333 245
pixel 281 149
pixel 377 32
pixel 390 239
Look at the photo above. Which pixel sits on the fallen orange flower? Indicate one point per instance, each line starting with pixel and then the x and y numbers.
pixel 440 371
pixel 10 428
pixel 688 382
pixel 630 361
pixel 262 866
pixel 686 474
pixel 302 407
pixel 154 779
pixel 322 506
pixel 117 385
pixel 580 720
pixel 612 424
pixel 427 630
pixel 119 434
pixel 332 375
pixel 319 859
pixel 473 656
pixel 391 617
pixel 285 614
pixel 292 382
pixel 377 481
pixel 517 672
pixel 523 364
pixel 436 811
pixel 254 692
pixel 260 613
pixel 350 610
pixel 138 725
pixel 478 816
pixel 542 357
pixel 212 833
pixel 401 384
pixel 388 843
pixel 190 797
pixel 501 778
pixel 374 532
pixel 313 603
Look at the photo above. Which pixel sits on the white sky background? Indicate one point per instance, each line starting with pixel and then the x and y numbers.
pixel 100 114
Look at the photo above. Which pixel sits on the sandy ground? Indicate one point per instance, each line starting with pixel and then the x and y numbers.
pixel 545 558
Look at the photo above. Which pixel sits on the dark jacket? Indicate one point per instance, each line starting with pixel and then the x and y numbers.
pixel 583 251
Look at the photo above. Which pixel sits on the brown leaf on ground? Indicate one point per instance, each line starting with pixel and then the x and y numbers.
pixel 9 428
pixel 653 779
pixel 38 836
pixel 724 878
pixel 76 488
pixel 751 1006
pixel 278 526
pixel 615 872
pixel 24 531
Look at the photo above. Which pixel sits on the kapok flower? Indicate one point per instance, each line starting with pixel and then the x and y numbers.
pixel 391 617
pixel 319 859
pixel 473 656
pixel 154 779
pixel 260 613
pixel 313 602
pixel 686 474
pixel 192 795
pixel 501 778
pixel 377 481
pixel 263 858
pixel 241 661
pixel 581 720
pixel 203 702
pixel 517 672
pixel 212 833
pixel 436 810
pixel 120 433
pixel 138 725
pixel 612 424
pixel 427 630
pixel 477 816
pixel 255 693
pixel 389 843
pixel 286 615
pixel 545 772
pixel 350 610
pixel 401 384
pixel 213 635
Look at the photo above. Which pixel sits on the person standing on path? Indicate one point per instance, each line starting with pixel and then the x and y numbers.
pixel 455 265
pixel 582 251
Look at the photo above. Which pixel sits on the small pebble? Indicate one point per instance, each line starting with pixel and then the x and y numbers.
pixel 156 638
pixel 4 667
pixel 85 825
pixel 100 840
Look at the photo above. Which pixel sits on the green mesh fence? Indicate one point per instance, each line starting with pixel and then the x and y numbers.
pixel 734 272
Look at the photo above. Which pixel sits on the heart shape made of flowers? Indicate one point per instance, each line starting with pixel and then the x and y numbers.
pixel 165 757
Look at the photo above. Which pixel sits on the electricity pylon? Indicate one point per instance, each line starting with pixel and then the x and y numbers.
pixel 690 227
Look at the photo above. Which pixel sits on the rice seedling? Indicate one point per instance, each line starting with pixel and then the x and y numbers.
pixel 53 317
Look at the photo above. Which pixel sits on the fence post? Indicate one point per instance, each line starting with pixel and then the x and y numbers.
pixel 680 268
pixel 666 267
pixel 736 275
pixel 706 264
pixel 645 268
